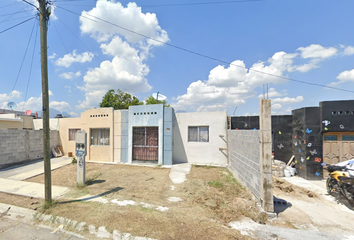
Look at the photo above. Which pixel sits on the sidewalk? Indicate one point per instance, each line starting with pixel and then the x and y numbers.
pixel 10 179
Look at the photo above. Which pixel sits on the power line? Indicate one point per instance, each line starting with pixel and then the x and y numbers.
pixel 30 73
pixel 172 4
pixel 23 59
pixel 32 5
pixel 20 11
pixel 8 5
pixel 12 14
pixel 206 56
pixel 16 25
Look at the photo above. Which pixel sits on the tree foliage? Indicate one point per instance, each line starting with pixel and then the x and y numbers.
pixel 119 100
pixel 151 100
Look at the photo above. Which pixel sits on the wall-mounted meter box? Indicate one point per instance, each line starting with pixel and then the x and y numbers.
pixel 80 152
pixel 80 143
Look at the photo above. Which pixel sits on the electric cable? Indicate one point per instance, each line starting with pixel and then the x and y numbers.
pixel 208 57
pixel 16 25
pixel 30 73
pixel 12 15
pixel 23 60
pixel 8 5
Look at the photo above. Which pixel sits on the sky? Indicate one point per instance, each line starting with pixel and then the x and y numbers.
pixel 203 55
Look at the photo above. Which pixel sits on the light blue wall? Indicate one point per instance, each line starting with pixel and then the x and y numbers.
pixel 146 116
pixel 168 136
pixel 124 140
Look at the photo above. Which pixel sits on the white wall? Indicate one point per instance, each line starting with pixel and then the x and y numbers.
pixel 53 124
pixel 200 152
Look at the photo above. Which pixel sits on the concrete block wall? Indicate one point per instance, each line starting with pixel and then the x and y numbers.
pixel 244 158
pixel 19 145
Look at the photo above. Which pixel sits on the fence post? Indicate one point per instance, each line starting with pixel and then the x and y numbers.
pixel 265 126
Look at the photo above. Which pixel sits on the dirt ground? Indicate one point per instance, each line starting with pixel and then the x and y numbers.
pixel 312 210
pixel 211 198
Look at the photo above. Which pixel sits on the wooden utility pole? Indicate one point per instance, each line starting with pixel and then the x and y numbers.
pixel 43 17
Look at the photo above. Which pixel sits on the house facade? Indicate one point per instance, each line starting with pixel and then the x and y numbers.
pixel 148 134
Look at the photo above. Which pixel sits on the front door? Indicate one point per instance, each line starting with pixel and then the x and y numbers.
pixel 145 143
pixel 338 147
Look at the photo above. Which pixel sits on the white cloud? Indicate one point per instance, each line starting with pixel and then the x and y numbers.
pixel 228 86
pixel 126 70
pixel 91 99
pixel 130 17
pixel 73 114
pixel 317 51
pixel 73 57
pixel 288 100
pixel 53 56
pixel 274 93
pixel 61 106
pixel 70 75
pixel 349 50
pixel 228 77
pixel 346 76
pixel 276 106
pixel 5 97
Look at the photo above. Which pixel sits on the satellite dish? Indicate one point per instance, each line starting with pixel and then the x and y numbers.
pixel 159 96
pixel 12 105
pixel 28 112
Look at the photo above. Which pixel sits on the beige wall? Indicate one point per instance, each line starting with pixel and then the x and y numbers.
pixel 11 123
pixel 27 122
pixel 92 118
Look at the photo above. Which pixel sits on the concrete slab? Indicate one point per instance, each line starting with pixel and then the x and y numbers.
pixel 32 169
pixel 318 186
pixel 178 172
pixel 29 189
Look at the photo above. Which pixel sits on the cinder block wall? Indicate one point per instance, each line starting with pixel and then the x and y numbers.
pixel 244 158
pixel 19 145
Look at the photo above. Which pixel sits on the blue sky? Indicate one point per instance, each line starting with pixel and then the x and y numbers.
pixel 214 60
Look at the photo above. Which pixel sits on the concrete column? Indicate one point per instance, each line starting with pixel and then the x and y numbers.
pixel 265 126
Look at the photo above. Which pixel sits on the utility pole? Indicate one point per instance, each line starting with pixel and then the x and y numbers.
pixel 43 17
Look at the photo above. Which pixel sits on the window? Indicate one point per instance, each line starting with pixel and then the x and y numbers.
pixel 198 134
pixel 99 136
pixel 348 137
pixel 331 138
pixel 72 133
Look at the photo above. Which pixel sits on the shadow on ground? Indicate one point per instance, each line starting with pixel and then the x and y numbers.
pixel 280 205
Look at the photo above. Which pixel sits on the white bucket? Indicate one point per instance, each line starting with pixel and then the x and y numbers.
pixel 287 173
pixel 292 171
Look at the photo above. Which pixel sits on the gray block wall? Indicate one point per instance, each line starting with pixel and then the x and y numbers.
pixel 244 158
pixel 20 145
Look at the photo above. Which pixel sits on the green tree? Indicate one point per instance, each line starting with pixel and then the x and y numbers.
pixel 152 100
pixel 119 100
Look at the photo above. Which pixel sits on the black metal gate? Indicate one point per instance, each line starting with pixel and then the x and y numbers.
pixel 146 143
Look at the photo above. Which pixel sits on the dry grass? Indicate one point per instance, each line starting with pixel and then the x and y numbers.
pixel 211 199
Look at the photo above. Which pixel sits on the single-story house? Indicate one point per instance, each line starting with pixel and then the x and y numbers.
pixel 148 134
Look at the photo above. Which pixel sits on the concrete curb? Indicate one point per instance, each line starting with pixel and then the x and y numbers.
pixel 62 224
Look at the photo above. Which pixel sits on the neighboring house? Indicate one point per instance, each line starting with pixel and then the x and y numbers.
pixel 148 134
pixel 11 121
pixel 314 135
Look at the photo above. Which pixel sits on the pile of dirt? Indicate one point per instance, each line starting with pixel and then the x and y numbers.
pixel 283 186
